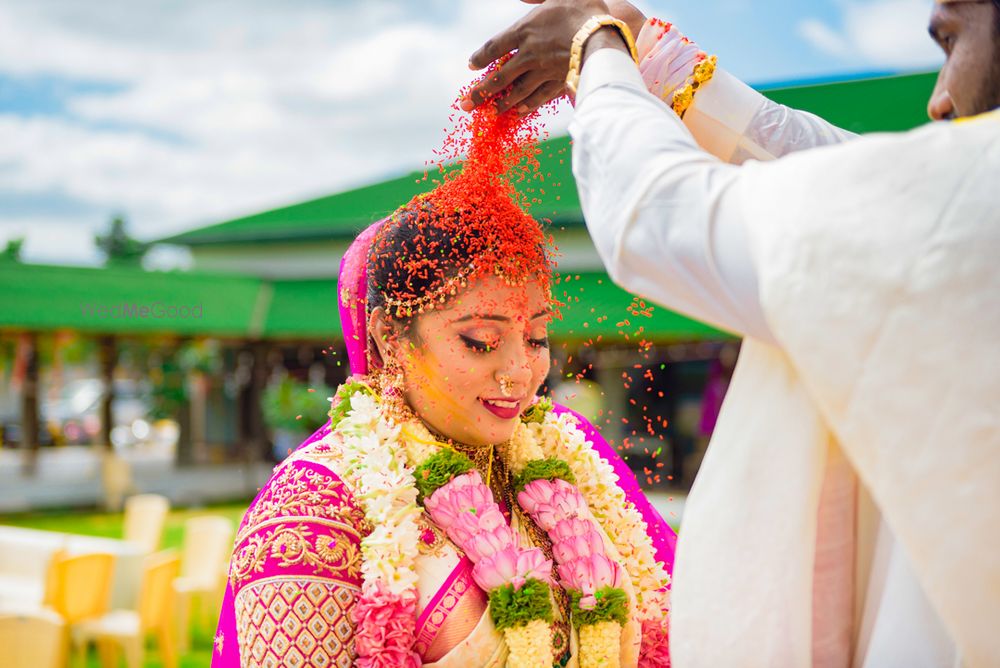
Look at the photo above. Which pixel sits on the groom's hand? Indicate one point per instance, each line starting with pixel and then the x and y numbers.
pixel 542 39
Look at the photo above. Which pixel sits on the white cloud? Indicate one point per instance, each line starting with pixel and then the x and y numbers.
pixel 879 33
pixel 53 240
pixel 223 108
pixel 824 38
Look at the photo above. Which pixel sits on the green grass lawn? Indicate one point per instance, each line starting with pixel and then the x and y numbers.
pixel 109 525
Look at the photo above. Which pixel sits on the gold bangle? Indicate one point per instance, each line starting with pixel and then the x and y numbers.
pixel 592 25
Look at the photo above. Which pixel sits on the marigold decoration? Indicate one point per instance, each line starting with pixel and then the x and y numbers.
pixel 600 637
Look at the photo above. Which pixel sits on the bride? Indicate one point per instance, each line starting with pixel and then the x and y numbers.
pixel 447 516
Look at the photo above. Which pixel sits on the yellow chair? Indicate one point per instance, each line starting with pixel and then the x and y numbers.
pixel 35 639
pixel 128 629
pixel 52 578
pixel 208 544
pixel 77 588
pixel 145 515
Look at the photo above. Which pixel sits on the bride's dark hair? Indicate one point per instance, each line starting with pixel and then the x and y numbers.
pixel 420 256
pixel 412 256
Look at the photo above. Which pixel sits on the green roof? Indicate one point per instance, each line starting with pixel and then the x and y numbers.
pixel 596 310
pixel 343 215
pixel 879 104
pixel 867 105
pixel 303 308
pixel 110 301
pixel 41 297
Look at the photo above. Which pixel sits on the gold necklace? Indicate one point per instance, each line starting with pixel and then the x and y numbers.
pixel 481 456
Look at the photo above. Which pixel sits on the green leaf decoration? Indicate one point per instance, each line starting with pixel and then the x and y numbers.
pixel 537 411
pixel 543 469
pixel 438 470
pixel 612 605
pixel 511 607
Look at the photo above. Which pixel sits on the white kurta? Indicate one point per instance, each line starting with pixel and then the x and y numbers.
pixel 681 227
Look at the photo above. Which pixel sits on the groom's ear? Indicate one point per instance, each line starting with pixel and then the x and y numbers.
pixel 384 335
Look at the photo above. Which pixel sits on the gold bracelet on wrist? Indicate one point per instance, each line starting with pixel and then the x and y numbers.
pixel 592 25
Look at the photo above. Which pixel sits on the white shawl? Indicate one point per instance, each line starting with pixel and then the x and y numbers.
pixel 880 278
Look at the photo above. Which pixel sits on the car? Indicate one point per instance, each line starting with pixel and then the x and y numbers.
pixel 74 416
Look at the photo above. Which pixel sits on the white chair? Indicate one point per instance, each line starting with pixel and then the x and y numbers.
pixel 208 544
pixel 145 516
pixel 35 639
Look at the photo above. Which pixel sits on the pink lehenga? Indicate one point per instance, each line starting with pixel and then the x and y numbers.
pixel 296 568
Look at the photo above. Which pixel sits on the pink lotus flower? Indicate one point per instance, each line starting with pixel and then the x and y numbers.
pixel 460 496
pixel 487 543
pixel 549 501
pixel 486 519
pixel 588 574
pixel 489 518
pixel 565 505
pixel 464 526
pixel 535 493
pixel 512 565
pixel 569 528
pixel 577 547
pixel 471 478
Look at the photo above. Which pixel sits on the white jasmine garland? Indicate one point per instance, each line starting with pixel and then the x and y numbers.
pixel 375 469
pixel 523 448
pixel 418 443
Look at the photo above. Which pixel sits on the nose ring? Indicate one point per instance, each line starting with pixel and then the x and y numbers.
pixel 506 385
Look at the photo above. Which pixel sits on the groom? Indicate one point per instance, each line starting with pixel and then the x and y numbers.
pixel 848 509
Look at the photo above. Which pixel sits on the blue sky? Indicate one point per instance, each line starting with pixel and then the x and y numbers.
pixel 179 113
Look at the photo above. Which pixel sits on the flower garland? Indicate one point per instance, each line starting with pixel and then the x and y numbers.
pixel 516 579
pixel 393 467
pixel 374 467
pixel 546 490
pixel 559 437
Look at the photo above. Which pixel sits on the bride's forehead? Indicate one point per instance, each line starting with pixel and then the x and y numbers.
pixel 491 295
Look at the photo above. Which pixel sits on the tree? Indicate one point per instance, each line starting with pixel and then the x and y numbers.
pixel 118 246
pixel 12 252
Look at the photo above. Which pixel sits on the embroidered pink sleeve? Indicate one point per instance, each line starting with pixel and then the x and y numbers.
pixel 295 574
